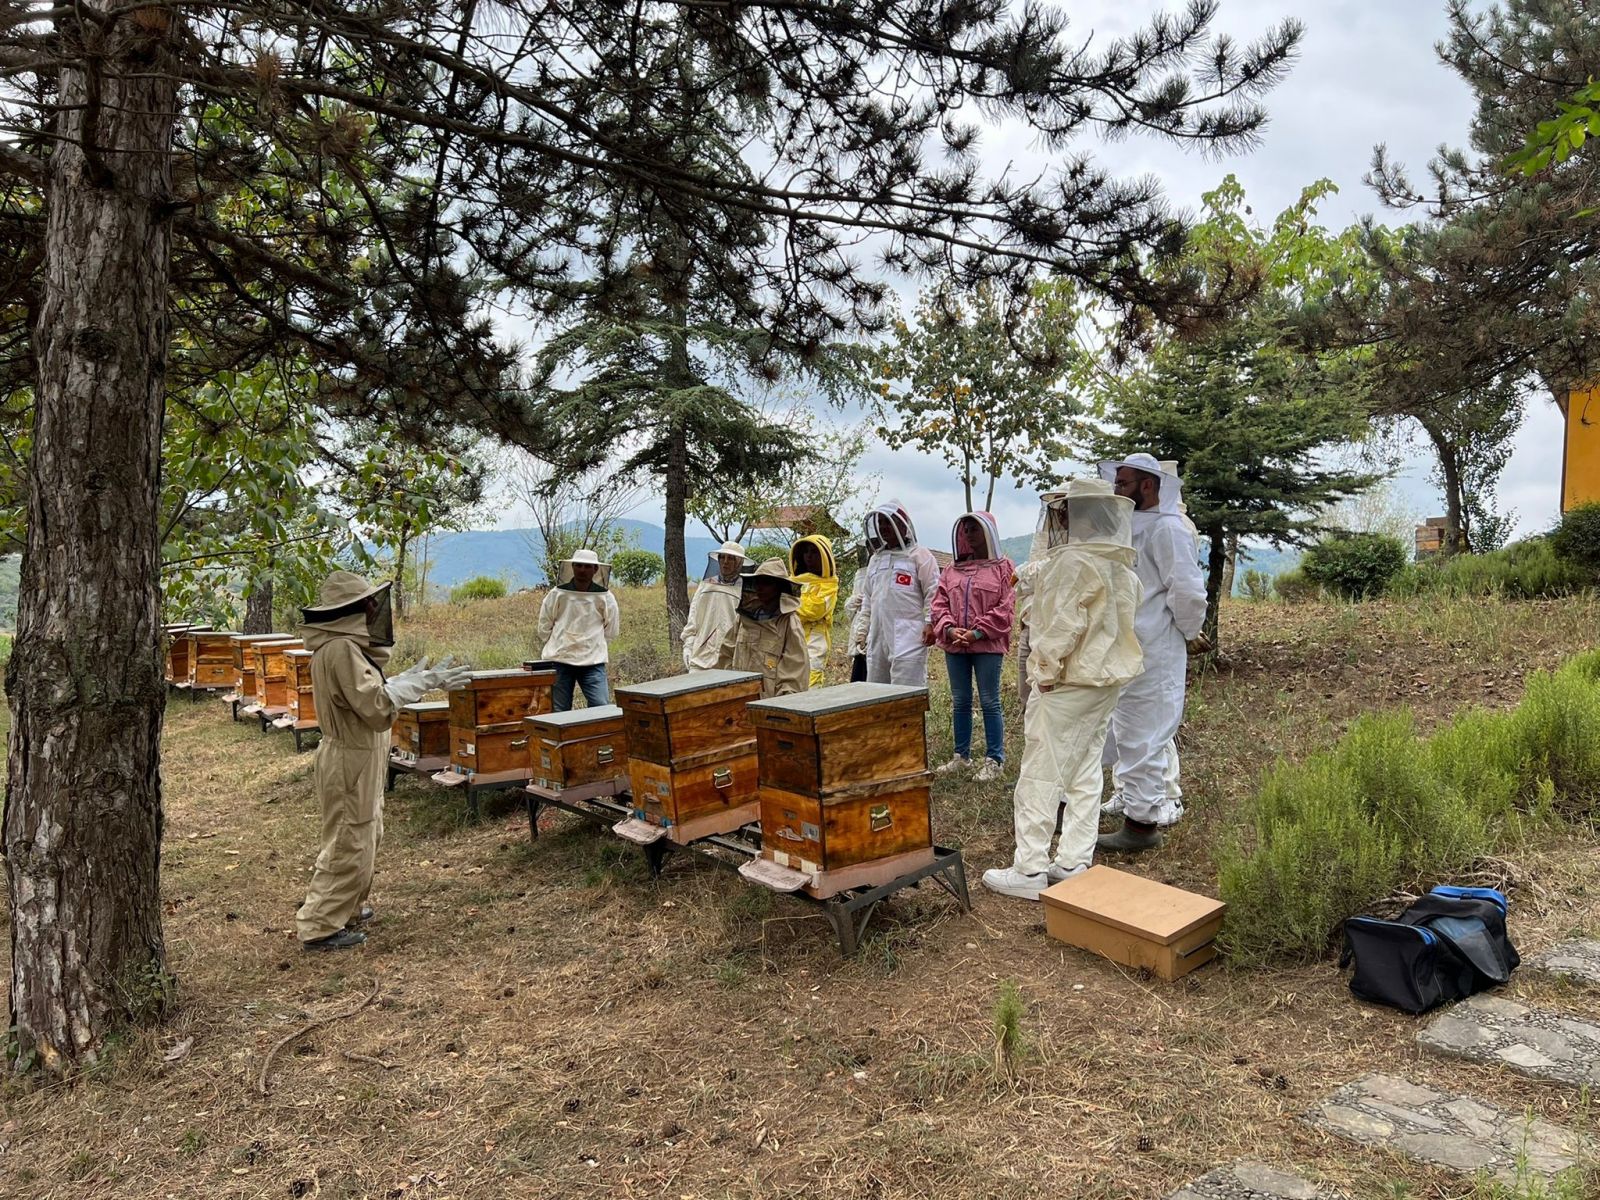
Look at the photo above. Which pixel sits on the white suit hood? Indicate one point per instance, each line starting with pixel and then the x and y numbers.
pixel 1170 499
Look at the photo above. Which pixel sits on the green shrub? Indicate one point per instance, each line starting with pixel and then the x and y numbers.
pixel 1355 566
pixel 481 587
pixel 759 552
pixel 1294 587
pixel 1385 810
pixel 1256 585
pixel 637 568
pixel 1528 570
pixel 1577 538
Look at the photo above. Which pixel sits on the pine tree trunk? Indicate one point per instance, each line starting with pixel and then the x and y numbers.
pixel 83 805
pixel 258 607
pixel 679 375
pixel 1216 568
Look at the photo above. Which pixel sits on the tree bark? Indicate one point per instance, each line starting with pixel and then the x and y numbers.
pixel 1456 539
pixel 258 607
pixel 400 569
pixel 83 813
pixel 1216 567
pixel 1231 567
pixel 676 481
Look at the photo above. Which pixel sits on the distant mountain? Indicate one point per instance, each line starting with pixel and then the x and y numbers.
pixel 512 554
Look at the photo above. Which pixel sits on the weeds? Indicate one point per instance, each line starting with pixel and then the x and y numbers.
pixel 1008 1040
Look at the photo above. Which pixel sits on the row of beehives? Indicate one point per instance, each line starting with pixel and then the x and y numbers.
pixel 835 779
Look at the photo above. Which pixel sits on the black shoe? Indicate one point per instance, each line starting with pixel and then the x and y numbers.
pixel 342 939
pixel 1132 838
pixel 366 913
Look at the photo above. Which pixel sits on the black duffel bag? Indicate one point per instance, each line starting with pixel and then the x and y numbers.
pixel 1448 945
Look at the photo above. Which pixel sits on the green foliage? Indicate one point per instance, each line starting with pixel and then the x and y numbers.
pixel 982 383
pixel 1555 138
pixel 481 587
pixel 637 568
pixel 1009 1045
pixel 1355 566
pixel 1295 587
pixel 1256 585
pixel 1577 538
pixel 606 540
pixel 759 552
pixel 1386 810
pixel 1529 570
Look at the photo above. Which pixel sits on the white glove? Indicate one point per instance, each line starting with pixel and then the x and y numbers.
pixel 406 688
pixel 448 674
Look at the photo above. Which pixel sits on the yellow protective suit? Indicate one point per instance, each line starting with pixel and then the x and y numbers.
pixel 355 714
pixel 774 646
pixel 819 596
pixel 1081 602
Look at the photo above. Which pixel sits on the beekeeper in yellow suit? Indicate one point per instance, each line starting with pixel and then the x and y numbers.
pixel 811 566
pixel 768 637
pixel 350 634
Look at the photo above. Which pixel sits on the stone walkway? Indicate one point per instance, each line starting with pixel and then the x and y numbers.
pixel 1252 1181
pixel 1577 960
pixel 1545 1045
pixel 1452 1131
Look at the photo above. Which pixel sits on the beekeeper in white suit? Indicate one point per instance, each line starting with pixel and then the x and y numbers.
pixel 714 611
pixel 1080 597
pixel 1170 619
pixel 896 597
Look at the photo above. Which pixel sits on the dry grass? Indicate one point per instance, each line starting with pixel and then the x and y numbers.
pixel 559 1025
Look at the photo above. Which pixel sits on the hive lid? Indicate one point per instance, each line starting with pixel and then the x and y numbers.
pixel 839 698
pixel 577 716
pixel 426 706
pixel 260 637
pixel 301 653
pixel 694 681
pixel 1147 909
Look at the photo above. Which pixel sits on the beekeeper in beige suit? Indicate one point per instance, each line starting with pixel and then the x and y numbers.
pixel 769 637
pixel 350 634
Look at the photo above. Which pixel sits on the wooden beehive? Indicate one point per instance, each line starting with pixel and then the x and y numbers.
pixel 244 663
pixel 585 748
pixel 421 731
pixel 299 700
pixel 845 786
pixel 211 659
pixel 177 670
pixel 487 735
pixel 272 674
pixel 1134 921
pixel 692 752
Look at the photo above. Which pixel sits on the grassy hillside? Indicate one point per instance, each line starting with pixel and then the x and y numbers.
pixel 552 1022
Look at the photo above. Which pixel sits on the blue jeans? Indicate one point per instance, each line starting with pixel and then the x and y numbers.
pixel 986 667
pixel 596 688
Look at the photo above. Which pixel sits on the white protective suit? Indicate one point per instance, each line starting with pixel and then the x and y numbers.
pixel 896 597
pixel 1145 724
pixel 713 612
pixel 1082 597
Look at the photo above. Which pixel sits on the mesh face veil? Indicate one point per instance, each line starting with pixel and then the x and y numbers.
pixel 1084 512
pixel 380 621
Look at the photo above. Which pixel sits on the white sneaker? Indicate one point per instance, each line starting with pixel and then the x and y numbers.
pixel 1057 873
pixel 1116 806
pixel 1009 881
pixel 955 764
pixel 989 771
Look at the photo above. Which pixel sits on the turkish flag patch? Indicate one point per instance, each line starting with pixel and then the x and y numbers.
pixel 903 578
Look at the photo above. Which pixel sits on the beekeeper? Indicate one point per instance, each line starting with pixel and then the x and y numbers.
pixel 897 598
pixel 768 636
pixel 577 621
pixel 1082 599
pixel 811 566
pixel 715 608
pixel 350 633
pixel 1170 619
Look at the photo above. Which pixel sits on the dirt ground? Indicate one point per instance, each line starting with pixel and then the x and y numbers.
pixel 548 1021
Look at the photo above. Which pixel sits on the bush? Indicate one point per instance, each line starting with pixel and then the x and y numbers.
pixel 1385 810
pixel 1256 585
pixel 1355 566
pixel 1527 570
pixel 637 568
pixel 1293 587
pixel 481 587
pixel 759 552
pixel 1577 538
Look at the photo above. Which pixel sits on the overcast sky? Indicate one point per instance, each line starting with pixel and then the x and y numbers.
pixel 1367 73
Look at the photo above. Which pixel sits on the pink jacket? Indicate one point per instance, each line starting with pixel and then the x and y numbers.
pixel 976 593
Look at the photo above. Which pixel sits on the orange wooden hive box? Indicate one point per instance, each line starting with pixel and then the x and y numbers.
pixel 300 701
pixel 272 674
pixel 177 668
pixel 1134 921
pixel 488 740
pixel 421 732
pixel 845 787
pixel 244 663
pixel 585 749
pixel 691 755
pixel 211 658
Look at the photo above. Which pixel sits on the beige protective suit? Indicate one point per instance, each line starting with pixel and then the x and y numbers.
pixel 713 612
pixel 1081 598
pixel 355 714
pixel 774 645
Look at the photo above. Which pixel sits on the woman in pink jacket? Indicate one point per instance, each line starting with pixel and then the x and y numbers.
pixel 971 620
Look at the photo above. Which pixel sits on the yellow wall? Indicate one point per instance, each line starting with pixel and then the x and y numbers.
pixel 1580 477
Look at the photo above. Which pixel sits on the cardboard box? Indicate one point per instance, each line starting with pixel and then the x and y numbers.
pixel 1134 921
